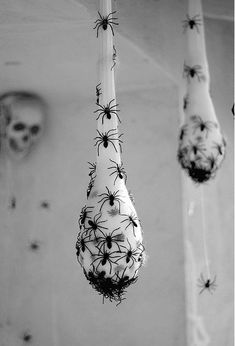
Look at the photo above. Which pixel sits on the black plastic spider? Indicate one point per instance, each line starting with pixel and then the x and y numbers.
pixel 34 245
pixel 192 22
pixel 104 22
pixel 185 101
pixel 133 255
pixel 107 137
pixel 212 161
pixel 131 219
pixel 196 148
pixel 98 93
pixel 193 71
pixel 84 215
pixel 182 156
pixel 207 284
pixel 12 204
pixel 107 111
pixel 110 197
pixel 27 337
pixel 45 205
pixel 110 239
pixel 118 170
pixel 104 257
pixel 114 57
pixel 81 244
pixel 90 186
pixel 183 132
pixel 92 168
pixel 123 281
pixel 202 125
pixel 95 225
pixel 219 148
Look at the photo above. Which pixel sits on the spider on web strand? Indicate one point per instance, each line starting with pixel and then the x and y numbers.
pixel 203 126
pixel 192 22
pixel 95 225
pixel 111 198
pixel 105 257
pixel 84 215
pixel 209 285
pixel 107 111
pixel 108 137
pixel 110 239
pixel 118 170
pixel 98 93
pixel 131 221
pixel 132 255
pixel 105 22
pixel 192 71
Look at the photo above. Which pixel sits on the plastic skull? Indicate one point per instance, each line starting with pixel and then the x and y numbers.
pixel 25 116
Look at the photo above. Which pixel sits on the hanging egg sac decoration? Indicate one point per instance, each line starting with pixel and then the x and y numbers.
pixel 110 241
pixel 202 146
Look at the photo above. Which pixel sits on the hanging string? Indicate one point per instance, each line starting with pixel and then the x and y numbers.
pixel 204 229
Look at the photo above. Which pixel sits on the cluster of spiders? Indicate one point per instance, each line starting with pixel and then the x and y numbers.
pixel 112 288
pixel 195 156
pixel 193 159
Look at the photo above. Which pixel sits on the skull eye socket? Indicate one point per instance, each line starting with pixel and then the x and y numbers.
pixel 34 129
pixel 19 127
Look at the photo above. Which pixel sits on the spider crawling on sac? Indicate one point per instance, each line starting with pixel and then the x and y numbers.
pixel 107 137
pixel 133 255
pixel 110 239
pixel 192 71
pixel 118 170
pixel 98 93
pixel 111 198
pixel 204 126
pixel 104 257
pixel 84 215
pixel 95 225
pixel 107 111
pixel 104 22
pixel 208 284
pixel 131 221
pixel 192 22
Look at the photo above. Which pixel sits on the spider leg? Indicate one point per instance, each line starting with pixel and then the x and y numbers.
pixel 134 230
pixel 103 203
pixel 111 27
pixel 111 14
pixel 115 178
pixel 202 290
pixel 133 262
pixel 113 144
pixel 98 146
pixel 97 32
